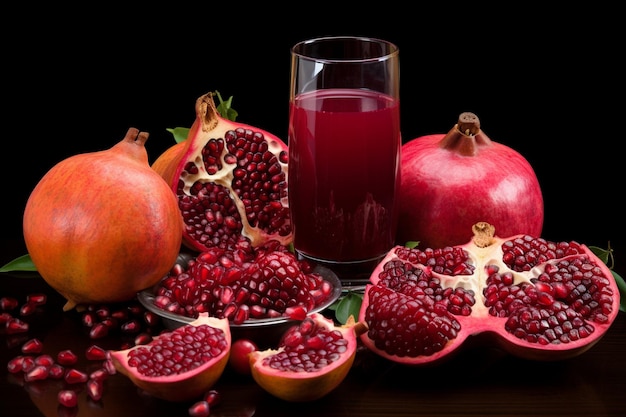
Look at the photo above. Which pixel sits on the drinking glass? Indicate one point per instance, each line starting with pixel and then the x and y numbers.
pixel 344 152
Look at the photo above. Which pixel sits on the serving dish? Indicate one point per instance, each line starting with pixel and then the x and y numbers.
pixel 265 332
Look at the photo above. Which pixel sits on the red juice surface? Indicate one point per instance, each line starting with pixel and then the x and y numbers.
pixel 344 153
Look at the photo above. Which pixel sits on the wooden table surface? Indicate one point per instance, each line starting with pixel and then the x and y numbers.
pixel 480 381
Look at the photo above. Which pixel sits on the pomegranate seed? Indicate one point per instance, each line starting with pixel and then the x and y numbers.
pixel 94 389
pixel 200 409
pixel 37 299
pixel 27 309
pixel 131 326
pixel 95 353
pixel 56 371
pixel 15 325
pixel 28 363
pixel 67 357
pixel 38 373
pixel 8 303
pixel 15 364
pixel 143 339
pixel 32 346
pixel 68 398
pixel 4 318
pixel 213 397
pixel 45 360
pixel 74 376
pixel 99 374
pixel 98 331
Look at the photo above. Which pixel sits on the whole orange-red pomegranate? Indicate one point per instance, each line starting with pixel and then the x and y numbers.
pixel 101 226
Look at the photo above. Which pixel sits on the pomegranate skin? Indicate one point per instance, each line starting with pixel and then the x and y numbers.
pixel 102 226
pixel 452 181
pixel 532 298
pixel 231 182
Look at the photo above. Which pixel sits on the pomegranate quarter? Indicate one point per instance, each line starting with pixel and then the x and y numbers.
pixel 535 299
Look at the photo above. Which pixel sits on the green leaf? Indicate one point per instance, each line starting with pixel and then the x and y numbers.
pixel 179 133
pixel 412 244
pixel 603 254
pixel 348 305
pixel 224 108
pixel 23 263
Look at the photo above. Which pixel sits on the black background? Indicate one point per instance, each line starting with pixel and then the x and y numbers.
pixel 547 83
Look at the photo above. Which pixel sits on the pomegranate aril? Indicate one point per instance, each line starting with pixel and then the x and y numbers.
pixel 200 409
pixel 37 299
pixel 68 398
pixel 213 397
pixel 56 371
pixel 38 373
pixel 75 376
pixel 27 309
pixel 98 331
pixel 8 303
pixel 32 346
pixel 95 353
pixel 94 389
pixel 67 357
pixel 15 325
pixel 15 364
pixel 45 360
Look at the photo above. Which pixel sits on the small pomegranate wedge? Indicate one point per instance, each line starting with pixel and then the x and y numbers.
pixel 535 299
pixel 312 359
pixel 179 365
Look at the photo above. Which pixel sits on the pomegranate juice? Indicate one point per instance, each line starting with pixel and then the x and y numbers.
pixel 344 148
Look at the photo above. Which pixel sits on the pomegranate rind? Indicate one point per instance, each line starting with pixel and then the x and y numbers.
pixel 101 226
pixel 306 386
pixel 444 191
pixel 173 167
pixel 489 330
pixel 179 387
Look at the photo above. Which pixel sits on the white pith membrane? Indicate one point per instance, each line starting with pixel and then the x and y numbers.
pixel 579 329
pixel 211 132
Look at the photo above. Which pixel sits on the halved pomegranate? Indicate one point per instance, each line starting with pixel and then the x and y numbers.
pixel 535 299
pixel 179 365
pixel 312 359
pixel 231 182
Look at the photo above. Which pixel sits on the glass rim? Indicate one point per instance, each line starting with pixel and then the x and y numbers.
pixel 391 51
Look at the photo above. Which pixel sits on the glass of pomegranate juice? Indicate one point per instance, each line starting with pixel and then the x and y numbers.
pixel 344 152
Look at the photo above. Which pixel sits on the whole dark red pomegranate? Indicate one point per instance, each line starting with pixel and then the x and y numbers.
pixel 533 298
pixel 452 181
pixel 231 182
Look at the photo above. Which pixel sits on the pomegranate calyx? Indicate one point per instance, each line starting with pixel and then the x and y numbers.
pixel 465 137
pixel 484 234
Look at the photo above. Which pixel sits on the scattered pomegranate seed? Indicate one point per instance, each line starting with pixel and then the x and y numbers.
pixel 32 346
pixel 94 389
pixel 45 360
pixel 213 397
pixel 67 357
pixel 95 353
pixel 143 339
pixel 38 373
pixel 56 371
pixel 75 376
pixel 27 309
pixel 98 331
pixel 5 317
pixel 15 365
pixel 200 409
pixel 15 325
pixel 8 303
pixel 37 299
pixel 68 398
pixel 99 374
